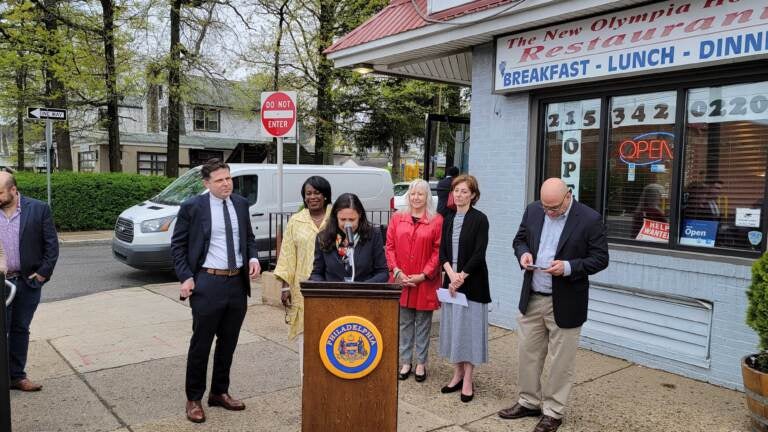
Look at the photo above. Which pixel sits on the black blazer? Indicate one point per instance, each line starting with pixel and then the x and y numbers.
pixel 192 237
pixel 38 241
pixel 370 262
pixel 583 244
pixel 473 241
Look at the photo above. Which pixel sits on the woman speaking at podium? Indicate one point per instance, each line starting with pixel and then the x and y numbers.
pixel 349 249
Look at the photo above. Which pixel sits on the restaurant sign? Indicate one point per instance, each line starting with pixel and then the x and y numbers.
pixel 655 37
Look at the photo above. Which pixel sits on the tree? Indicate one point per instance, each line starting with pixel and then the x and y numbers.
pixel 55 93
pixel 110 81
pixel 21 88
pixel 78 73
pixel 385 113
pixel 313 26
pixel 174 92
pixel 182 60
pixel 21 57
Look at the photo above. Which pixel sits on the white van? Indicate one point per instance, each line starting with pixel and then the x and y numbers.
pixel 143 232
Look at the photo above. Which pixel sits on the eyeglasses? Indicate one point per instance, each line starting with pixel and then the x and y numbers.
pixel 557 207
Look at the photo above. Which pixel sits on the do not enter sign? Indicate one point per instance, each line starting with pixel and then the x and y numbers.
pixel 278 113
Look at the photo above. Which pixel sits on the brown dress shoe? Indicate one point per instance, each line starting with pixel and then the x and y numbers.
pixel 548 424
pixel 195 412
pixel 518 411
pixel 225 401
pixel 26 385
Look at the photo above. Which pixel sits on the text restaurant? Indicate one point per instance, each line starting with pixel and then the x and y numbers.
pixel 654 113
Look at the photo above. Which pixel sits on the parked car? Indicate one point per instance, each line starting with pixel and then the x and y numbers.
pixel 400 200
pixel 143 232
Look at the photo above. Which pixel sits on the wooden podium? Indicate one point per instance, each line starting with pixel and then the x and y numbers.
pixel 350 384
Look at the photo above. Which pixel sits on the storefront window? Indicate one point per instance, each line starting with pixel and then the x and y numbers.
pixel 572 146
pixel 641 145
pixel 665 172
pixel 725 165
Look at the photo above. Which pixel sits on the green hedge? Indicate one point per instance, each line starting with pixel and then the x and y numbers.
pixel 83 201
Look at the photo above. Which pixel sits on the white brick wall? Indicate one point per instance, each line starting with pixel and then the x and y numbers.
pixel 498 157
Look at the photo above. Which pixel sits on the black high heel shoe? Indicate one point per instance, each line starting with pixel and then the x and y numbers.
pixel 420 378
pixel 453 388
pixel 402 376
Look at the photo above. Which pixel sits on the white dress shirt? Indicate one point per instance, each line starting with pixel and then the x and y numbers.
pixel 217 250
pixel 550 237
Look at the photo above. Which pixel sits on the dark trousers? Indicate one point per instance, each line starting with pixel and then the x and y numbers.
pixel 17 320
pixel 218 309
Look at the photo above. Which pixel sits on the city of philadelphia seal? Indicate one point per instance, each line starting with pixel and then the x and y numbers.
pixel 351 347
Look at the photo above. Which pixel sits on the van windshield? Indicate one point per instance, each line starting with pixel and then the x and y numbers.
pixel 186 186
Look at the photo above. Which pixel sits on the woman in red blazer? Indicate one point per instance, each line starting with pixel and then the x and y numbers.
pixel 413 252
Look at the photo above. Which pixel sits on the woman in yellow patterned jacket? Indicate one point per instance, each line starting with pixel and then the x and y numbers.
pixel 297 251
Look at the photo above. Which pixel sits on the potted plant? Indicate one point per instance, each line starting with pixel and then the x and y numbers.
pixel 754 367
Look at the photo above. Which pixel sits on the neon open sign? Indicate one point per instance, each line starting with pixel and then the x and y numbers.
pixel 647 149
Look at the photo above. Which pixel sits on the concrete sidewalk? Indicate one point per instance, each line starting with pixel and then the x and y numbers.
pixel 116 360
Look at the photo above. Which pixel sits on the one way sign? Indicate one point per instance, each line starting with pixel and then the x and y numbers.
pixel 47 113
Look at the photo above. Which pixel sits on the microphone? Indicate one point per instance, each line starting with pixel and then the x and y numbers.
pixel 350 235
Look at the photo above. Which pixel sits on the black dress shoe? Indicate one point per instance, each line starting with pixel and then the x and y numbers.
pixel 467 398
pixel 548 424
pixel 451 389
pixel 402 376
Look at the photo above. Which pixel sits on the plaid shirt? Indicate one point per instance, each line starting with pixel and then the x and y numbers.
pixel 9 237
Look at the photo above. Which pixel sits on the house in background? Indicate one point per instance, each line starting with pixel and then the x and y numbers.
pixel 220 119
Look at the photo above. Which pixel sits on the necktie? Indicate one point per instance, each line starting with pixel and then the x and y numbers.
pixel 231 262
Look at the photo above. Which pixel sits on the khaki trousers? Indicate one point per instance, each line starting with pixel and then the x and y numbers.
pixel 539 336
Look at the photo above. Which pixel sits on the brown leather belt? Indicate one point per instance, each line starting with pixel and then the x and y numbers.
pixel 217 272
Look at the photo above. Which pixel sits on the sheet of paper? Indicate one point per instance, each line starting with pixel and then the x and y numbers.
pixel 445 297
pixel 748 217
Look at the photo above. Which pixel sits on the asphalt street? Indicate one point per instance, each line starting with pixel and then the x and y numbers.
pixel 89 268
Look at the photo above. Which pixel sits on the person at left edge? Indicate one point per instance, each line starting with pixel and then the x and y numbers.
pixel 332 261
pixel 31 246
pixel 214 254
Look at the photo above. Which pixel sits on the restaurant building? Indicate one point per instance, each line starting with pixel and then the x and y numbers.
pixel 655 114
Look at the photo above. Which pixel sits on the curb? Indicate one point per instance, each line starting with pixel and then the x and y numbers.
pixel 85 242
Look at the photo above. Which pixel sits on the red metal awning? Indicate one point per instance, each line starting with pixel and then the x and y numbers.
pixel 401 16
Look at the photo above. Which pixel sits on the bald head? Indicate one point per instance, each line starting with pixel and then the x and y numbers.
pixel 554 192
pixel 553 188
pixel 8 193
pixel 7 180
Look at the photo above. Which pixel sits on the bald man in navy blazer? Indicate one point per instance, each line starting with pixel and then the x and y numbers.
pixel 559 244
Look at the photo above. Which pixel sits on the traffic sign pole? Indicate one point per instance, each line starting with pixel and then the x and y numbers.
pixel 49 115
pixel 280 174
pixel 48 145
